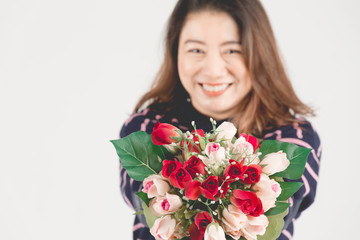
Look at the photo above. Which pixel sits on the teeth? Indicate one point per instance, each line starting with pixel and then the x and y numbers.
pixel 216 88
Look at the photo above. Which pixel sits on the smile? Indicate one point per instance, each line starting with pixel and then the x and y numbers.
pixel 215 89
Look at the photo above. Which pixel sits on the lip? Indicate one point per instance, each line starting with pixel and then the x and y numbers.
pixel 213 90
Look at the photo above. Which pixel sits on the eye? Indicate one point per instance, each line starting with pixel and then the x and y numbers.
pixel 233 51
pixel 195 50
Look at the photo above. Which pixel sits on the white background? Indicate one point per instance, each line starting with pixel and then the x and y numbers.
pixel 71 72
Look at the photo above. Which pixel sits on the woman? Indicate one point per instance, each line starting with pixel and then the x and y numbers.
pixel 221 61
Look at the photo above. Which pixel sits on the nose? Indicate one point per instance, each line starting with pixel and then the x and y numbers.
pixel 214 66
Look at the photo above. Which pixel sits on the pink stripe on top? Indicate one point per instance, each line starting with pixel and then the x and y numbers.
pixel 311 172
pixel 135 115
pixel 144 124
pixel 287 234
pixel 298 130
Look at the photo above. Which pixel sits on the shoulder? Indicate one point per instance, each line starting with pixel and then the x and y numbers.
pixel 302 134
pixel 146 119
pixel 139 122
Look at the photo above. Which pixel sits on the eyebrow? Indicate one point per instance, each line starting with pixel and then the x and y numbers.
pixel 201 42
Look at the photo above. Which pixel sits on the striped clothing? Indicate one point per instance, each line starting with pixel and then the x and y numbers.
pixel 302 135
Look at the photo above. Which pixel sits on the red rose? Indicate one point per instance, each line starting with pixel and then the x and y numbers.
pixel 252 140
pixel 198 227
pixel 194 147
pixel 193 190
pixel 224 188
pixel 170 166
pixel 210 187
pixel 180 178
pixel 194 165
pixel 247 202
pixel 252 174
pixel 235 170
pixel 164 133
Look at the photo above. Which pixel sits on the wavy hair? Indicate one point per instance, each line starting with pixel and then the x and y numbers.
pixel 272 101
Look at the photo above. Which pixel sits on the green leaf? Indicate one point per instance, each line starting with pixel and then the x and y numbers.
pixel 149 216
pixel 297 156
pixel 273 230
pixel 144 197
pixel 288 189
pixel 279 208
pixel 139 155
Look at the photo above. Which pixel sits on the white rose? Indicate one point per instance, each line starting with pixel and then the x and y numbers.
pixel 255 226
pixel 163 228
pixel 275 162
pixel 214 232
pixel 233 221
pixel 226 130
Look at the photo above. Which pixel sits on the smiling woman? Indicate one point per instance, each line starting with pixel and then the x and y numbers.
pixel 221 61
pixel 211 65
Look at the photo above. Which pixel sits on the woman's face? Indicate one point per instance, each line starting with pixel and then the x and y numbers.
pixel 211 65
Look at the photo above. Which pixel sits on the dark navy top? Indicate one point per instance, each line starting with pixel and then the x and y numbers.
pixel 301 134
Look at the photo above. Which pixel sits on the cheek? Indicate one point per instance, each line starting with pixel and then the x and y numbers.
pixel 187 73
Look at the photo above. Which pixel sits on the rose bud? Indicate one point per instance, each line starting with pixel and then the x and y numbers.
pixel 252 174
pixel 155 185
pixel 170 166
pixel 226 130
pixel 194 165
pixel 164 133
pixel 163 227
pixel 248 202
pixel 210 187
pixel 233 221
pixel 267 190
pixel 195 138
pixel 193 190
pixel 215 153
pixel 165 205
pixel 197 228
pixel 252 140
pixel 214 232
pixel 180 178
pixel 224 188
pixel 255 226
pixel 235 170
pixel 275 162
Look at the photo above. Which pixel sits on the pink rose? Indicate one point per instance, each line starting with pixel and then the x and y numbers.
pixel 275 162
pixel 233 221
pixel 214 232
pixel 215 154
pixel 164 133
pixel 170 203
pixel 155 186
pixel 267 190
pixel 255 226
pixel 163 227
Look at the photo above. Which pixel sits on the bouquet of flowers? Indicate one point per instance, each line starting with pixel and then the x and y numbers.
pixel 212 185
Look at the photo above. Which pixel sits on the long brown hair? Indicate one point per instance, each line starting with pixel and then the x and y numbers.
pixel 272 102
